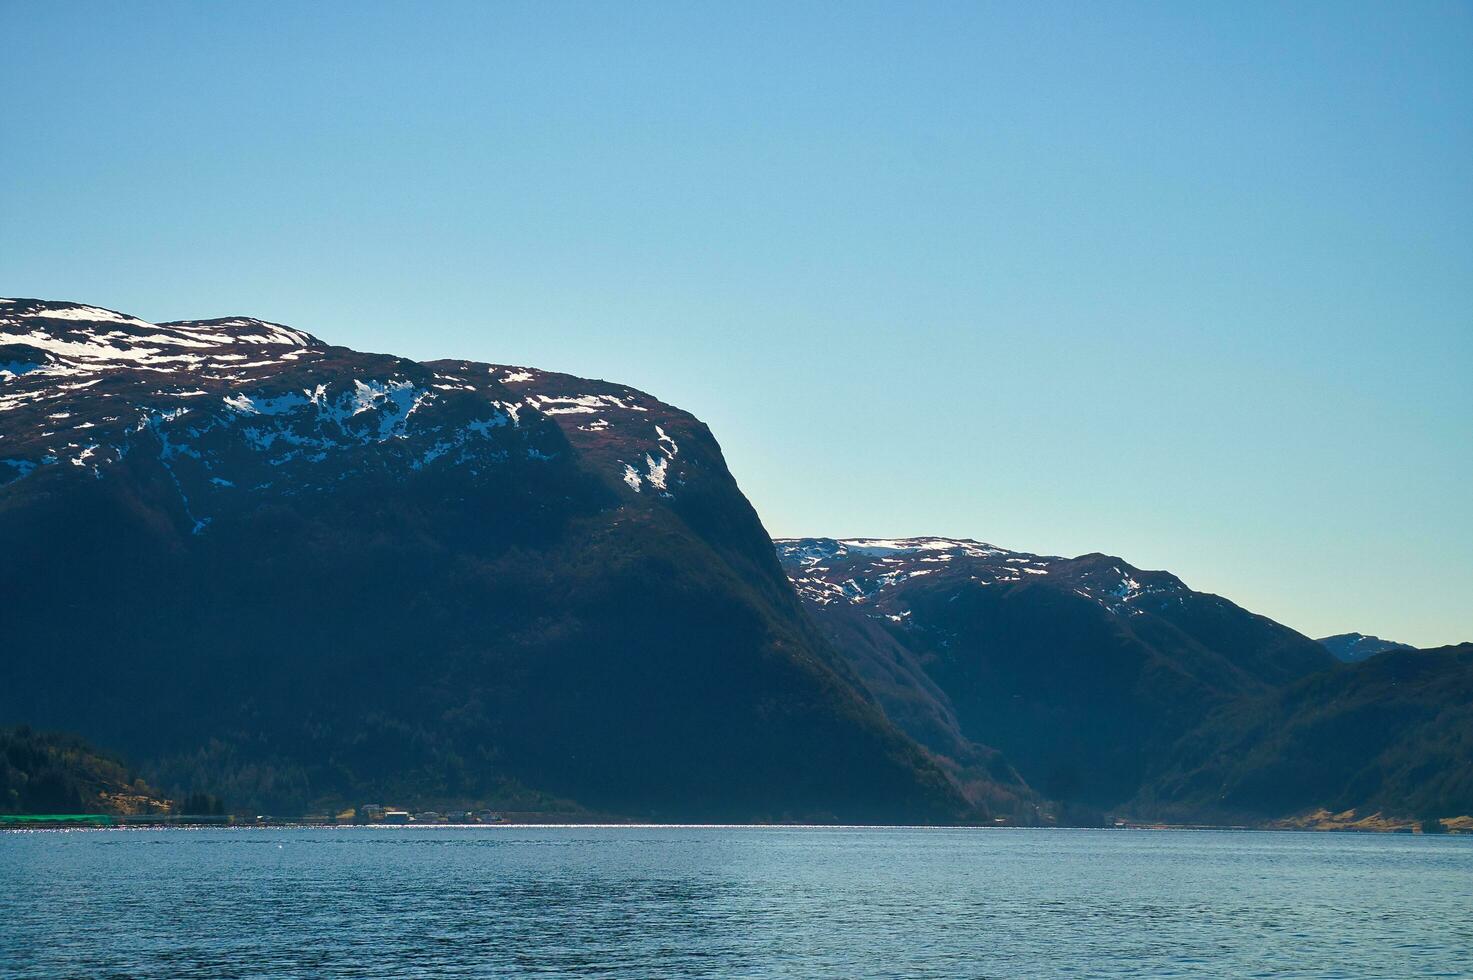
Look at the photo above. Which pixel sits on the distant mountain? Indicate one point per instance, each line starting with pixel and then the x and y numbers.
pixel 284 572
pixel 1353 647
pixel 1393 734
pixel 1082 672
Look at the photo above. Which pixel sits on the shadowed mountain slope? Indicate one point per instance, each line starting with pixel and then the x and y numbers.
pixel 1082 671
pixel 1392 734
pixel 288 572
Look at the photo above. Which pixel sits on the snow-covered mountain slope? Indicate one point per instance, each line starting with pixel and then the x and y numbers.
pixel 1081 670
pixel 237 405
pixel 287 571
pixel 866 571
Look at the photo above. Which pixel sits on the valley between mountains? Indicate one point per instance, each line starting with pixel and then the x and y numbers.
pixel 293 576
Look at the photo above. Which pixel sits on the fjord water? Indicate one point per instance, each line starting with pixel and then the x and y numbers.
pixel 722 902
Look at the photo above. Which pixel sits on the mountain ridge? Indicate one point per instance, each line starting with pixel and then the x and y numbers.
pixel 1080 671
pixel 1354 647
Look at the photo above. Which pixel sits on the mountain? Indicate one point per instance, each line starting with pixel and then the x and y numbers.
pixel 1081 672
pixel 1392 734
pixel 1353 647
pixel 286 572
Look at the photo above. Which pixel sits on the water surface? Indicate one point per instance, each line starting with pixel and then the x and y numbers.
pixel 724 902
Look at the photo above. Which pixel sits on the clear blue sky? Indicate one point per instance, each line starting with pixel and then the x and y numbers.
pixel 1190 284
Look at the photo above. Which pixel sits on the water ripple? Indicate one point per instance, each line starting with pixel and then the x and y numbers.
pixel 725 902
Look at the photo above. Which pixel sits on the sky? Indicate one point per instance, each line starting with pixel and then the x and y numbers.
pixel 1190 284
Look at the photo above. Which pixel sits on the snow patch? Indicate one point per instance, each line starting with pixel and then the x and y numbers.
pixel 88 314
pixel 656 470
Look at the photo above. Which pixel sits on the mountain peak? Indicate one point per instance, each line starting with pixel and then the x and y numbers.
pixel 244 330
pixel 866 570
pixel 234 404
pixel 1354 647
pixel 93 335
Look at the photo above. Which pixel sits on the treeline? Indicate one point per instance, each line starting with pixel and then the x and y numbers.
pixel 51 772
pixel 60 773
pixel 1393 733
pixel 320 767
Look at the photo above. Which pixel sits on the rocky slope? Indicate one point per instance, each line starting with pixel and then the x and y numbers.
pixel 296 572
pixel 1082 671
